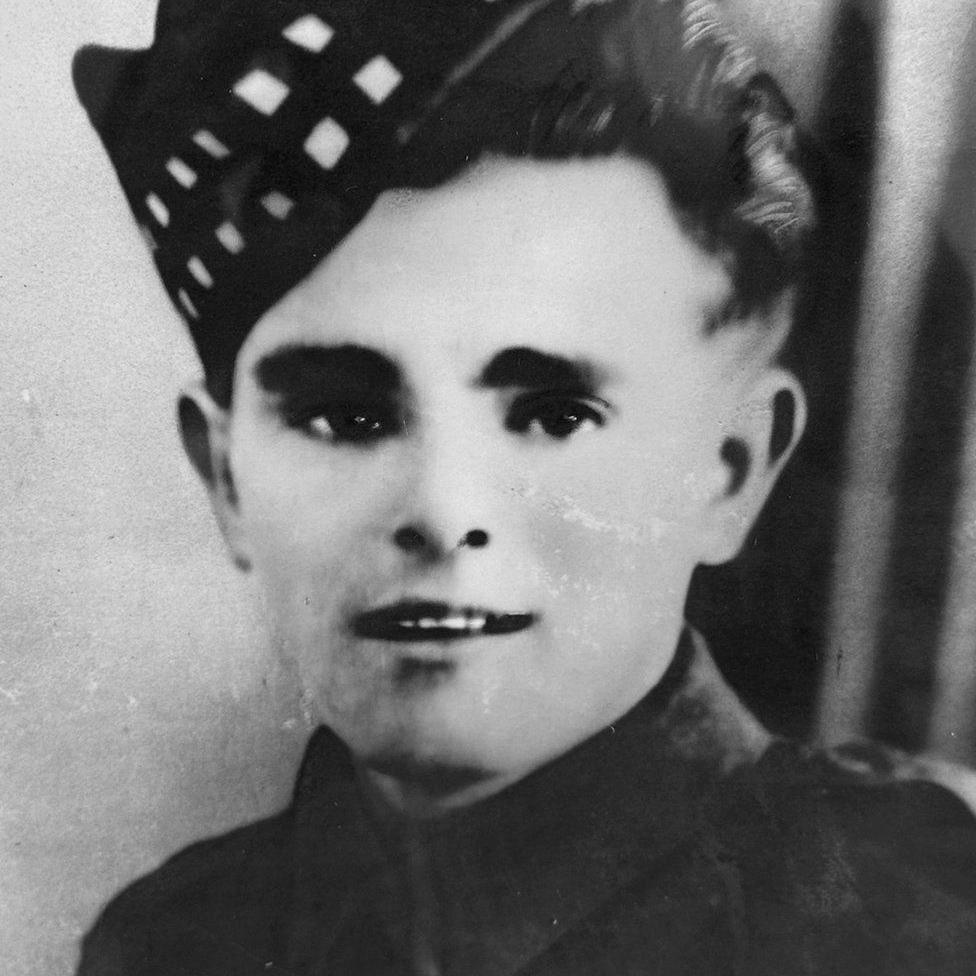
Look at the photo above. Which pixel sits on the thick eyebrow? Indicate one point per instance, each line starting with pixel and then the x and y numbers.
pixel 345 370
pixel 526 367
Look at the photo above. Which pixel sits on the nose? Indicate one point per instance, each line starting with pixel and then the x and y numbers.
pixel 415 538
pixel 445 507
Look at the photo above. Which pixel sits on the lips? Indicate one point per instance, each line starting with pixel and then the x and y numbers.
pixel 414 621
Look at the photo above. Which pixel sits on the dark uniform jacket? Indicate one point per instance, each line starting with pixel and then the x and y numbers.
pixel 681 840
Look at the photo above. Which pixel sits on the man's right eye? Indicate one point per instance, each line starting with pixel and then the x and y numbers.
pixel 347 424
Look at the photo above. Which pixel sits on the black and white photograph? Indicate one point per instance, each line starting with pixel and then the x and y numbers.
pixel 488 488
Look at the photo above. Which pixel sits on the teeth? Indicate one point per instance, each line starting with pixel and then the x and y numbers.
pixel 457 622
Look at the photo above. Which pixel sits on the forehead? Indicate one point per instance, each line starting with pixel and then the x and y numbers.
pixel 584 257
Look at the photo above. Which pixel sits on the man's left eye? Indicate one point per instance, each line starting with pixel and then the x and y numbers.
pixel 556 415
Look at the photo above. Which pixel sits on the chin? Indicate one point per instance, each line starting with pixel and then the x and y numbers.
pixel 447 717
pixel 435 776
pixel 457 730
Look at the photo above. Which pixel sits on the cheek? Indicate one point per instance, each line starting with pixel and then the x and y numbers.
pixel 605 576
pixel 308 527
pixel 312 537
pixel 615 528
pixel 620 494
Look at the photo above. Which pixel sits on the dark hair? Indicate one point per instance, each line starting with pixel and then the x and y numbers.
pixel 662 81
pixel 665 82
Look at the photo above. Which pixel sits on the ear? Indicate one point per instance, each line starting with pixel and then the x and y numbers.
pixel 754 447
pixel 205 431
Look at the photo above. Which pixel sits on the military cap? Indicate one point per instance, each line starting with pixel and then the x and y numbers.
pixel 251 137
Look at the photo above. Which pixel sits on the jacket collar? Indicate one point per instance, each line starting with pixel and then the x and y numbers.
pixel 495 884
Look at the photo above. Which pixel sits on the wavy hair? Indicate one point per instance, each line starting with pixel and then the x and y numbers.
pixel 664 81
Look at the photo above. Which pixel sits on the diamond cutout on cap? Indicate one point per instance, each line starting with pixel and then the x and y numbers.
pixel 377 79
pixel 230 237
pixel 158 209
pixel 310 33
pixel 327 142
pixel 181 172
pixel 199 271
pixel 148 237
pixel 277 204
pixel 262 91
pixel 210 144
pixel 187 304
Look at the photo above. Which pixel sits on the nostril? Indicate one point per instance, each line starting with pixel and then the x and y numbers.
pixel 410 539
pixel 476 538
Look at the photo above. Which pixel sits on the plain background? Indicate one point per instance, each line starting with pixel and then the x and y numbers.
pixel 139 706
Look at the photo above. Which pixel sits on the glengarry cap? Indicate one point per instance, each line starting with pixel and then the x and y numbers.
pixel 252 136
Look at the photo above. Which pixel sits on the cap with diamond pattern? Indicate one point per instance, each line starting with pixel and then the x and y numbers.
pixel 251 137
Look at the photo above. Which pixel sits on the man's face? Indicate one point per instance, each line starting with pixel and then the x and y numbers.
pixel 475 454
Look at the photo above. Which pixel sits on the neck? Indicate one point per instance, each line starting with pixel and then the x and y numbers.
pixel 430 792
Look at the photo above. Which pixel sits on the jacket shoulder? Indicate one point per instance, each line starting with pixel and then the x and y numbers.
pixel 214 900
pixel 866 867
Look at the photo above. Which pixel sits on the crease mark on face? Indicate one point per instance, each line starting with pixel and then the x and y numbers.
pixel 649 529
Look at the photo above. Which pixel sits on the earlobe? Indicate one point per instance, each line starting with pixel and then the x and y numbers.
pixel 204 430
pixel 758 442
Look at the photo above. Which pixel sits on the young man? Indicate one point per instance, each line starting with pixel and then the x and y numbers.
pixel 490 299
